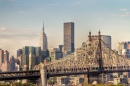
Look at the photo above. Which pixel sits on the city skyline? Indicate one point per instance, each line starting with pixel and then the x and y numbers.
pixel 21 21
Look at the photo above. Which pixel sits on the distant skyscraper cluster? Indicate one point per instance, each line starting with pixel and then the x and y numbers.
pixel 123 48
pixel 29 56
pixel 6 63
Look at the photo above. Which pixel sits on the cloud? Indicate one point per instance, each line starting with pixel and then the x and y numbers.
pixel 123 10
pixel 16 33
pixel 49 5
pixel 2 29
pixel 124 13
pixel 14 39
pixel 9 0
pixel 100 19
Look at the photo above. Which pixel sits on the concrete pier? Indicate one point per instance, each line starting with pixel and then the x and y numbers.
pixel 43 73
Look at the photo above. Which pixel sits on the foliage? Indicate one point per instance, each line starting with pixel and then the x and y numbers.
pixel 102 85
pixel 18 84
pixel 4 85
pixel 50 81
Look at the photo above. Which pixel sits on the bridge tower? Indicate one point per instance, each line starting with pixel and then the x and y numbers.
pixel 100 57
pixel 96 76
pixel 43 72
pixel 100 52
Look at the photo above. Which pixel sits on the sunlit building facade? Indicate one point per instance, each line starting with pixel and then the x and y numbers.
pixel 43 41
pixel 69 37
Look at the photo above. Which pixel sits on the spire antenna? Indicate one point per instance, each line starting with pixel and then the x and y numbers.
pixel 43 26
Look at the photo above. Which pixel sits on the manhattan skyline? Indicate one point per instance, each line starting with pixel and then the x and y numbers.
pixel 21 21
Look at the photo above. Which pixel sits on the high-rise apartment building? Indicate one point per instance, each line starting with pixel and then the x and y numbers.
pixel 38 55
pixel 43 41
pixel 12 63
pixel 123 48
pixel 1 57
pixel 5 66
pixel 4 60
pixel 105 38
pixel 19 52
pixel 69 37
pixel 6 56
pixel 32 61
pixel 55 54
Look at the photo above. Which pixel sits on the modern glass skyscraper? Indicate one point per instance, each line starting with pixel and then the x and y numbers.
pixel 37 51
pixel 43 41
pixel 105 38
pixel 31 50
pixel 38 55
pixel 25 57
pixel 69 37
pixel 30 56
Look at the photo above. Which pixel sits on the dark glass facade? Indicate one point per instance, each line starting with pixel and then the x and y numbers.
pixel 25 57
pixel 69 37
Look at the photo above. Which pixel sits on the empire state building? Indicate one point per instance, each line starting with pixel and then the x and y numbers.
pixel 43 41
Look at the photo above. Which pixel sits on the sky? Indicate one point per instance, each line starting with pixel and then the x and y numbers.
pixel 21 21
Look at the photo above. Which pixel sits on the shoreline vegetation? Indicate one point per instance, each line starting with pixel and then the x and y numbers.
pixel 31 84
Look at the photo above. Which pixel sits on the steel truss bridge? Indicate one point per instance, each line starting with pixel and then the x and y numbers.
pixel 93 57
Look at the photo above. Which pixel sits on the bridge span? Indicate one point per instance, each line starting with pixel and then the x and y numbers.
pixel 94 57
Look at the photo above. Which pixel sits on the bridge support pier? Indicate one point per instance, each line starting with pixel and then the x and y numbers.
pixel 93 77
pixel 86 79
pixel 43 73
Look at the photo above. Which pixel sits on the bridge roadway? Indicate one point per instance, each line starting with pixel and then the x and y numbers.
pixel 18 75
pixel 86 72
pixel 35 74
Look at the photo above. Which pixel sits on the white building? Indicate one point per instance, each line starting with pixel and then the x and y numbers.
pixel 55 54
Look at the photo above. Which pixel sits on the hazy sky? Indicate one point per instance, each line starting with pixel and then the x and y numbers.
pixel 21 21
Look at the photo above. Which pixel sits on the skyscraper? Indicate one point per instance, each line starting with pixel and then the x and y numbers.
pixel 123 48
pixel 25 56
pixel 43 41
pixel 69 37
pixel 1 57
pixel 19 52
pixel 105 38
pixel 6 56
pixel 12 63
pixel 38 55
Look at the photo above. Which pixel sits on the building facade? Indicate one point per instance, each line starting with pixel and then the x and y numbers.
pixel 25 55
pixel 30 56
pixel 12 63
pixel 69 37
pixel 6 56
pixel 38 55
pixel 123 48
pixel 32 61
pixel 43 41
pixel 19 52
pixel 1 56
pixel 106 39
pixel 55 54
